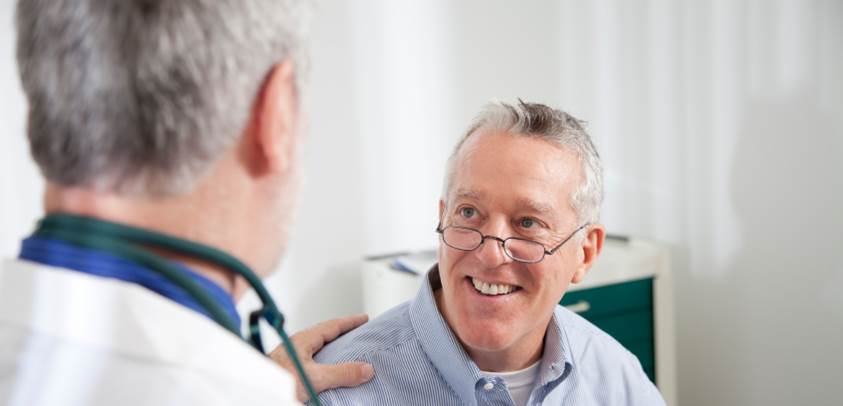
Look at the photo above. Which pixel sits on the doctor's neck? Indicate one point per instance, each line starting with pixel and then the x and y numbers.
pixel 188 217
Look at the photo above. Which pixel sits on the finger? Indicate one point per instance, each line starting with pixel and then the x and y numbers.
pixel 279 354
pixel 332 329
pixel 314 338
pixel 347 375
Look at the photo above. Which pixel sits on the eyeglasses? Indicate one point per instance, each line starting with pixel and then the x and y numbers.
pixel 519 249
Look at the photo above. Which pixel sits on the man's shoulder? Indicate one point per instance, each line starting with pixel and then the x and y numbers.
pixel 602 363
pixel 588 345
pixel 390 344
pixel 584 339
pixel 384 333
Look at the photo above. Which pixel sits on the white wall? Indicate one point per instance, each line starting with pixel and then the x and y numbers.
pixel 719 123
pixel 20 183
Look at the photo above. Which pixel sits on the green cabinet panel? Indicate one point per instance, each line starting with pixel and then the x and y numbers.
pixel 628 326
pixel 618 298
pixel 635 332
pixel 643 349
pixel 651 373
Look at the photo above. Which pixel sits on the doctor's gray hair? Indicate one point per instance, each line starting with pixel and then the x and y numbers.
pixel 556 126
pixel 140 97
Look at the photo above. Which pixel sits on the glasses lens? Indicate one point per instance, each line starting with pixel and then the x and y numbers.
pixel 462 238
pixel 523 250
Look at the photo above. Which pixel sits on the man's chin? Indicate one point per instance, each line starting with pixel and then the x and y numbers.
pixel 486 339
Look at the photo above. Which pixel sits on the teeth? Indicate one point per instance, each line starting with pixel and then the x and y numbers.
pixel 491 288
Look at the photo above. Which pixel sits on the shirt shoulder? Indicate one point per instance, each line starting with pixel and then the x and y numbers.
pixel 384 333
pixel 123 334
pixel 585 340
pixel 404 374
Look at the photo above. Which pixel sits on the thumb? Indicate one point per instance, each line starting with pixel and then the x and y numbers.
pixel 346 375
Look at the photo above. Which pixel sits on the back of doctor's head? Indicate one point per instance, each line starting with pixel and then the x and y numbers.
pixel 139 97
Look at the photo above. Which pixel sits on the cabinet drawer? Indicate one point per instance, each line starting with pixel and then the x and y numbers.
pixel 627 326
pixel 606 300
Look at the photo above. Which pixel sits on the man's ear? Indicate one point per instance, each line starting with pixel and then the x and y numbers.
pixel 591 247
pixel 441 210
pixel 273 128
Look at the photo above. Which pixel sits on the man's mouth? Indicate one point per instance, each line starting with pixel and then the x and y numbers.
pixel 493 289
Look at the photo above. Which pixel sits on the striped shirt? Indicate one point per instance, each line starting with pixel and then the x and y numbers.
pixel 418 361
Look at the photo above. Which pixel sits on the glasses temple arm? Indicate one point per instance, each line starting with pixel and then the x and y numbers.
pixel 552 251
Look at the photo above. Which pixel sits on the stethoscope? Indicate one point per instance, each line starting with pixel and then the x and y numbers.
pixel 123 241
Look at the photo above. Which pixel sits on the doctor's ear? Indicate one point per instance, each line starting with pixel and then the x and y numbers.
pixel 441 210
pixel 590 247
pixel 271 135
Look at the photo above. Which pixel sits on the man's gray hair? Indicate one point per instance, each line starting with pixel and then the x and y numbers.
pixel 556 126
pixel 139 97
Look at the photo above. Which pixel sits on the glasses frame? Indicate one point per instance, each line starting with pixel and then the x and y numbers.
pixel 502 241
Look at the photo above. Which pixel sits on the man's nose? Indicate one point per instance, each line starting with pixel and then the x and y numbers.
pixel 491 252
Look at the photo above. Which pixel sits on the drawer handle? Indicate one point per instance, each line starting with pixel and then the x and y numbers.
pixel 580 307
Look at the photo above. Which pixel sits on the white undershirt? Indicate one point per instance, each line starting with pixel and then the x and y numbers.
pixel 520 383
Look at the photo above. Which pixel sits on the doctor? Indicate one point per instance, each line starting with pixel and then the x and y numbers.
pixel 168 134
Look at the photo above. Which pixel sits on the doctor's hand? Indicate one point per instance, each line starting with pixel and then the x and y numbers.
pixel 324 376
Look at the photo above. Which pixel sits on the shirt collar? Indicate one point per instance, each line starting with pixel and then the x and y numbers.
pixel 555 365
pixel 439 342
pixel 450 359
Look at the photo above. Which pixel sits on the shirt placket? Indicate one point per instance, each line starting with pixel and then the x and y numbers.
pixel 492 391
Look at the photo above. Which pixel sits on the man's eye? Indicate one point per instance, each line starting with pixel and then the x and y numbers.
pixel 468 212
pixel 527 222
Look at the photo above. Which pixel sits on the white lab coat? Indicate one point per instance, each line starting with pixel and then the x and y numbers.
pixel 68 338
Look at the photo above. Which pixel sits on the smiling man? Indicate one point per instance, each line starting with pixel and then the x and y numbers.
pixel 518 222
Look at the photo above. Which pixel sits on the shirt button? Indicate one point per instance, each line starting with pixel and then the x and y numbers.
pixel 489 386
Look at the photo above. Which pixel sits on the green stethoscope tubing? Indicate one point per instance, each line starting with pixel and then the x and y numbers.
pixel 122 240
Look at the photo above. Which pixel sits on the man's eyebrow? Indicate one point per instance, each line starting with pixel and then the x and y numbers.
pixel 532 205
pixel 523 202
pixel 469 194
